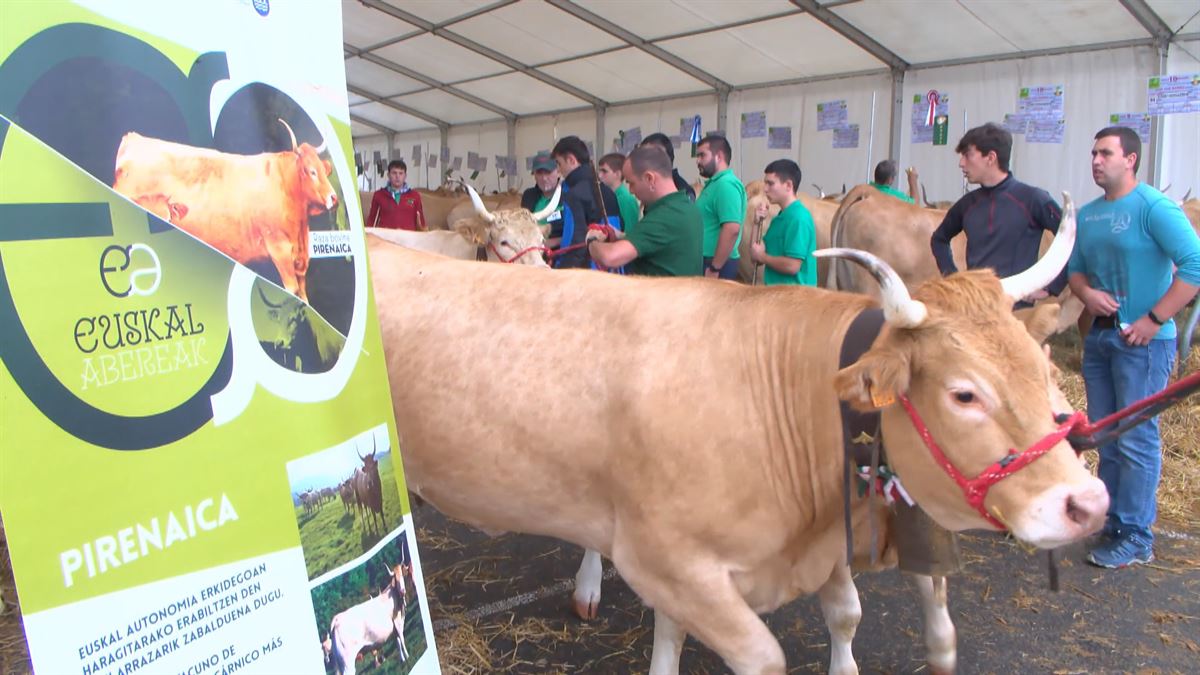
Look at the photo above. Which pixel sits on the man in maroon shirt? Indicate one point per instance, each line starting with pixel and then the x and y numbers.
pixel 395 205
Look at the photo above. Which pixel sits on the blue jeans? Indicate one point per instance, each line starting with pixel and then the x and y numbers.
pixel 1115 375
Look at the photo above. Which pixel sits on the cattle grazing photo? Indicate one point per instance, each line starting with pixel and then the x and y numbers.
pixel 369 618
pixel 345 500
pixel 291 333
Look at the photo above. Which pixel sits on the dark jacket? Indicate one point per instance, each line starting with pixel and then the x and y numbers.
pixel 1004 225
pixel 683 186
pixel 580 206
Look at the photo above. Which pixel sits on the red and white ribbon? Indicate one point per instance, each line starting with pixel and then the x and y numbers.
pixel 932 97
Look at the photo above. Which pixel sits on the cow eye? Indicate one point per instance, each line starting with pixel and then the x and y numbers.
pixel 964 397
pixel 504 242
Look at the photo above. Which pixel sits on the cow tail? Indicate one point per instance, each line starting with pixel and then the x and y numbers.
pixel 835 233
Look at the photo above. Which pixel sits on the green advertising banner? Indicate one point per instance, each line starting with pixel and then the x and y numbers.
pixel 200 465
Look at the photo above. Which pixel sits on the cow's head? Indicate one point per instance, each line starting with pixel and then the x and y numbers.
pixel 314 172
pixel 288 316
pixel 164 207
pixel 983 387
pixel 509 235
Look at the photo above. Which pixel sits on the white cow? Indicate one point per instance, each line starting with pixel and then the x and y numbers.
pixel 368 624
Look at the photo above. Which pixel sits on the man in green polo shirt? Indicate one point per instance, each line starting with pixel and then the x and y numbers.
pixel 667 240
pixel 787 247
pixel 609 170
pixel 885 173
pixel 722 205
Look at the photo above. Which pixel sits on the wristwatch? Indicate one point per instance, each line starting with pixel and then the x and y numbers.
pixel 714 268
pixel 1154 318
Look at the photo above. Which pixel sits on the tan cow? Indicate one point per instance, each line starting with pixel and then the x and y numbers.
pixel 510 235
pixel 628 453
pixel 252 208
pixel 465 209
pixel 1191 209
pixel 368 624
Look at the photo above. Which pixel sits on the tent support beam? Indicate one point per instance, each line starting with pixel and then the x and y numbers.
pixel 374 125
pixel 633 40
pixel 1148 18
pixel 370 96
pixel 512 150
pixel 430 82
pixel 1154 173
pixel 896 128
pixel 722 112
pixel 848 31
pixel 601 143
pixel 488 52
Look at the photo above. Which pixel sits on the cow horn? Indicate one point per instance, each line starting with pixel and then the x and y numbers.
pixel 1186 196
pixel 478 204
pixel 551 206
pixel 898 306
pixel 265 300
pixel 291 134
pixel 820 192
pixel 925 197
pixel 1045 270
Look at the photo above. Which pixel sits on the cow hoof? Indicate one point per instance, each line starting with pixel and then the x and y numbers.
pixel 587 609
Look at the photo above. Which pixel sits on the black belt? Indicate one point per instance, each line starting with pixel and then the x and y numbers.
pixel 1105 321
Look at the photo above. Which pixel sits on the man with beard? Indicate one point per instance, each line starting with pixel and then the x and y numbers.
pixel 722 205
pixel 1003 220
pixel 545 178
pixel 1135 264
pixel 580 207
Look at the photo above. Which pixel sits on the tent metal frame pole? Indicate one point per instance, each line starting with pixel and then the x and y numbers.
pixel 1154 174
pixel 896 123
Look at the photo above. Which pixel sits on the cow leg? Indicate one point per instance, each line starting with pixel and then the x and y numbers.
pixel 940 641
pixel 706 602
pixel 840 605
pixel 587 585
pixel 668 644
pixel 398 623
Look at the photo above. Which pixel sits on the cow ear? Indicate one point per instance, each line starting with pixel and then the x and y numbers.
pixel 875 380
pixel 328 166
pixel 1041 320
pixel 473 230
pixel 178 211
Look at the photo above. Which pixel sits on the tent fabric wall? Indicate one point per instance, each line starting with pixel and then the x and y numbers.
pixel 1181 133
pixel 662 116
pixel 813 150
pixel 1096 84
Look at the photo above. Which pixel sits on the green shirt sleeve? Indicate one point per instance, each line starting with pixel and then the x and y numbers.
pixel 730 201
pixel 800 237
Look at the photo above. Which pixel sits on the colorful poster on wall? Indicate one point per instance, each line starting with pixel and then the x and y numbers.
pixel 831 115
pixel 1170 94
pixel 1139 122
pixel 201 470
pixel 1015 123
pixel 845 137
pixel 1044 102
pixel 754 124
pixel 922 132
pixel 779 138
pixel 1045 130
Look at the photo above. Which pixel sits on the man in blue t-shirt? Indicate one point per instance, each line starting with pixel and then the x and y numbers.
pixel 1136 263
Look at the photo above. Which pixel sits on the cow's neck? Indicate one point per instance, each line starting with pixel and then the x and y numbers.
pixel 793 351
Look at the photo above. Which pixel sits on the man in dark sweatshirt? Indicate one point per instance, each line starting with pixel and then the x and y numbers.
pixel 1003 219
pixel 580 207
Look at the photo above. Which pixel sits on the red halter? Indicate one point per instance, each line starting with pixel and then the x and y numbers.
pixel 976 489
pixel 515 258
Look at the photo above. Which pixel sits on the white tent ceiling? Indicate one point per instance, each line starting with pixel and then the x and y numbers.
pixel 419 64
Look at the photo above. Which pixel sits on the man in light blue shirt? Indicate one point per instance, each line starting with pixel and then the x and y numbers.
pixel 1136 263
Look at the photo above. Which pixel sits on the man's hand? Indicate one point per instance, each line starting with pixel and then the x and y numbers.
pixel 911 172
pixel 1099 303
pixel 1141 332
pixel 761 212
pixel 1039 294
pixel 595 235
pixel 600 233
pixel 758 253
pixel 711 273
